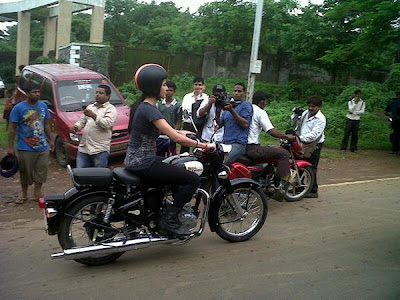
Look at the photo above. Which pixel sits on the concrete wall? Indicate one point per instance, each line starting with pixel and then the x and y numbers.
pixel 95 57
pixel 120 63
pixel 174 62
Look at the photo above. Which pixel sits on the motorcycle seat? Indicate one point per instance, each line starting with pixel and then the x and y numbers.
pixel 95 177
pixel 247 161
pixel 127 177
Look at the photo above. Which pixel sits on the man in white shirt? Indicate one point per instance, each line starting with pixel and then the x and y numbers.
pixel 187 104
pixel 261 122
pixel 356 108
pixel 311 128
pixel 98 120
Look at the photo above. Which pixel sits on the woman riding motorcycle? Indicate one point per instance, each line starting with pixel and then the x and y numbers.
pixel 145 124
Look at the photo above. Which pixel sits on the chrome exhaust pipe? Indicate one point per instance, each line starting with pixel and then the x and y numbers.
pixel 111 247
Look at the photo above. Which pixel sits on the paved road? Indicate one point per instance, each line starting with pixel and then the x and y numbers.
pixel 344 245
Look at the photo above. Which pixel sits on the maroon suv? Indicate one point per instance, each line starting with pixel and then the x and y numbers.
pixel 67 89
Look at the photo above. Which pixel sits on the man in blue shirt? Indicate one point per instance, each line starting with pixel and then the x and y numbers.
pixel 30 120
pixel 236 120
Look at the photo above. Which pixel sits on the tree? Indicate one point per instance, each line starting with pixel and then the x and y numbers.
pixel 371 30
pixel 227 24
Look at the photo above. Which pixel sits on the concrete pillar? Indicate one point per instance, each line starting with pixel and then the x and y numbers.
pixel 97 25
pixel 23 39
pixel 50 28
pixel 64 24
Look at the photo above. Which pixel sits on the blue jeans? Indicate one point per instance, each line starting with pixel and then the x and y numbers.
pixel 237 151
pixel 99 160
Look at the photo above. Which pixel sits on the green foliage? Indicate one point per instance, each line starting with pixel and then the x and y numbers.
pixel 393 82
pixel 80 28
pixel 369 33
pixel 184 84
pixel 7 72
pixel 131 90
pixel 46 60
pixel 227 24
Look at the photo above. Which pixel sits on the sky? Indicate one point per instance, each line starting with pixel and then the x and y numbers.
pixel 193 5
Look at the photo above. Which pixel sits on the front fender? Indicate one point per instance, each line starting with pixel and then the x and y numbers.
pixel 301 164
pixel 221 192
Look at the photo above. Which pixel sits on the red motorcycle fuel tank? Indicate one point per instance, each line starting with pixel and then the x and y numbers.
pixel 239 170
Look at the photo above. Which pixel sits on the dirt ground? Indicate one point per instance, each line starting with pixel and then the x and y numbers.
pixel 335 167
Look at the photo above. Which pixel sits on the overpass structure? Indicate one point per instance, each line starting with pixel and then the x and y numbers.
pixel 57 17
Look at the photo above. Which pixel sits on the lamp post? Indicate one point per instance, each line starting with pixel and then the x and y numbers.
pixel 255 64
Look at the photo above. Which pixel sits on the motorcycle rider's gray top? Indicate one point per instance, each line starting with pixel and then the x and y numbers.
pixel 142 145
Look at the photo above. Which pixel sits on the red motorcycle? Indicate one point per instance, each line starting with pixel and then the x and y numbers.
pixel 264 172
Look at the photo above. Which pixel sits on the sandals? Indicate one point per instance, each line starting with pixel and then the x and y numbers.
pixel 20 200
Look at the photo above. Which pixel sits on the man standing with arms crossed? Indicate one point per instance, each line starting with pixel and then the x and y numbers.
pixel 30 120
pixel 98 120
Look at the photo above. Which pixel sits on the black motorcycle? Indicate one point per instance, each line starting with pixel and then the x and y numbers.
pixel 109 212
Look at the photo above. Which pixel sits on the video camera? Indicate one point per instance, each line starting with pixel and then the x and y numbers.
pixel 222 98
pixel 298 110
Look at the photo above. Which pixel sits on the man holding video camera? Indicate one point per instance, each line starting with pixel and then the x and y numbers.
pixel 236 119
pixel 209 109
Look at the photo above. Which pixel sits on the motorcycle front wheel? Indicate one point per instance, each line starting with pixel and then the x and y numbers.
pixel 82 226
pixel 301 185
pixel 232 227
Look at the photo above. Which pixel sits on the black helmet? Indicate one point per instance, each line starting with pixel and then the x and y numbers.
pixel 148 79
pixel 9 166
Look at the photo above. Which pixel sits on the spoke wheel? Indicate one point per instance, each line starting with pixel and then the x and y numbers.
pixel 83 226
pixel 301 185
pixel 233 228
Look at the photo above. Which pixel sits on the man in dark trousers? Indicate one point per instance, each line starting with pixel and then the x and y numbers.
pixel 393 110
pixel 356 108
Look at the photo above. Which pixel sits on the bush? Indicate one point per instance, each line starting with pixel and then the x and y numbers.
pixel 393 82
pixel 7 73
pixel 131 90
pixel 374 94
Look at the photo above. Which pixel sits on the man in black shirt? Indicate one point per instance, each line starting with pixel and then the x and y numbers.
pixel 393 110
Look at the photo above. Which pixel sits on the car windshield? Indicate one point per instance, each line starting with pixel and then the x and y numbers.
pixel 76 94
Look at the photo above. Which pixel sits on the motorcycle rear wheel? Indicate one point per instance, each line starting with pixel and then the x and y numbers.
pixel 298 189
pixel 229 226
pixel 75 229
